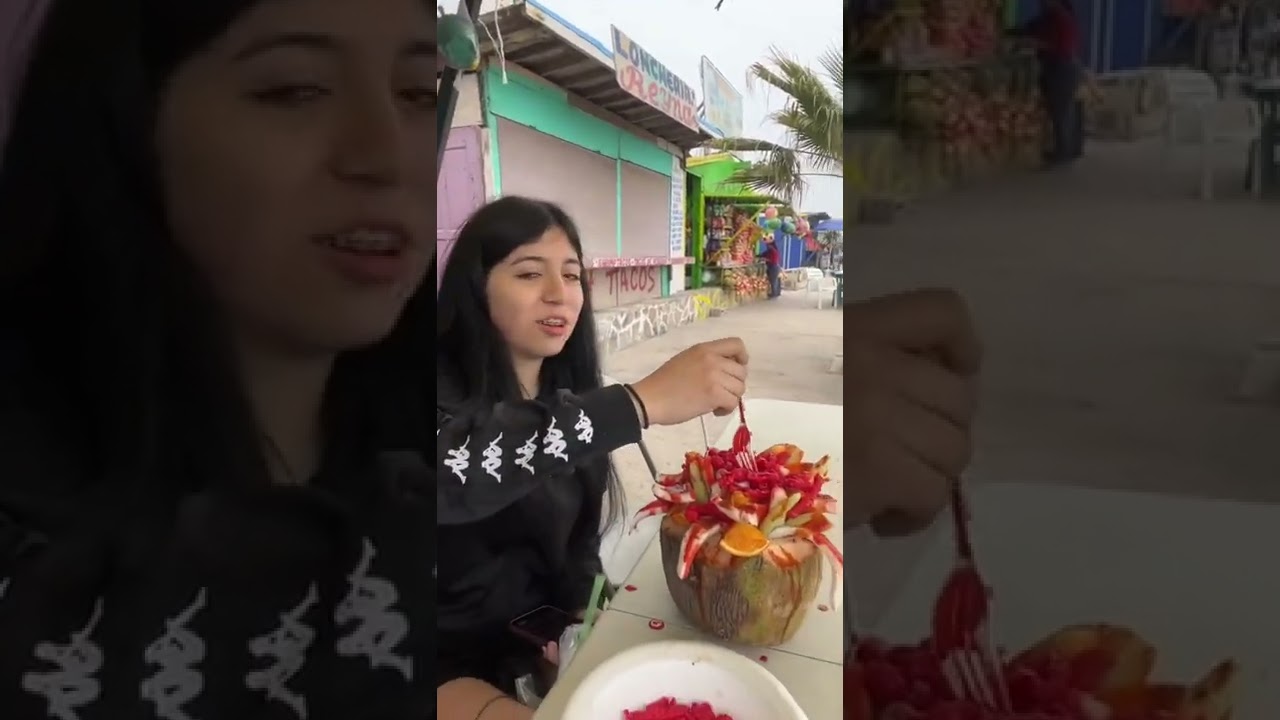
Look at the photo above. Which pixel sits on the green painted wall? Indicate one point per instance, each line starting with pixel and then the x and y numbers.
pixel 546 108
pixel 716 172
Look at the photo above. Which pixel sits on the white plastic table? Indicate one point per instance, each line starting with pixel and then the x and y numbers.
pixel 1195 577
pixel 810 665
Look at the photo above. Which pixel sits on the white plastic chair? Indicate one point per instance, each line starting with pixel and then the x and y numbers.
pixel 1199 115
pixel 826 286
pixel 1190 92
pixel 1231 122
pixel 818 282
pixel 812 279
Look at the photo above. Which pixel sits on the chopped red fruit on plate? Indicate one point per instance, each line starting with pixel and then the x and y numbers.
pixel 671 709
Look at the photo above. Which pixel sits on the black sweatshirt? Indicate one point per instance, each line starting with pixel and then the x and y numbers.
pixel 300 603
pixel 519 492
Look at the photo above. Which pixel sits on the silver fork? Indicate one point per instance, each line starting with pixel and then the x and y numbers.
pixel 962 623
pixel 745 458
pixel 972 676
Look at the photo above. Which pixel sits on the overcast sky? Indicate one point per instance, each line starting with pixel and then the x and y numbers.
pixel 679 32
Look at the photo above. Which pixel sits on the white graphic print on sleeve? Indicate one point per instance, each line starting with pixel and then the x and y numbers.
pixel 73 684
pixel 583 426
pixel 524 454
pixel 287 647
pixel 379 628
pixel 176 654
pixel 553 443
pixel 459 460
pixel 493 458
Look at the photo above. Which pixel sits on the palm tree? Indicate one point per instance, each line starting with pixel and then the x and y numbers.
pixel 812 118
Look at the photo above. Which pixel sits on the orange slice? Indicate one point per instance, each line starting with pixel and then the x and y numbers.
pixel 743 540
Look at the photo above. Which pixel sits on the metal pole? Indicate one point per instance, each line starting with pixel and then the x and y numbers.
pixel 449 93
pixel 1100 9
pixel 1148 29
pixel 444 114
pixel 1109 35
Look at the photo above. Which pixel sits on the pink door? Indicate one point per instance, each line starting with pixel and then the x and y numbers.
pixel 459 191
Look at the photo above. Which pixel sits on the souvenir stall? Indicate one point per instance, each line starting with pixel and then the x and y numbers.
pixel 728 224
pixel 730 245
pixel 736 237
pixel 944 97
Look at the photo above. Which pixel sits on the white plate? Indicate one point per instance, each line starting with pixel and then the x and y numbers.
pixel 687 671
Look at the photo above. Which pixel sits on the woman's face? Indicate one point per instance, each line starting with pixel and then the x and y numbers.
pixel 535 295
pixel 294 153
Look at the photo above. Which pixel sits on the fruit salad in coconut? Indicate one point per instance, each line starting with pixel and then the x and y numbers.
pixel 743 539
pixel 1081 672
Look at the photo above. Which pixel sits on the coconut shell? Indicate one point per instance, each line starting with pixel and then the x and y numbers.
pixel 749 601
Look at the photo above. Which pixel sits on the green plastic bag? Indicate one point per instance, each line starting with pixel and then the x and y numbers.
pixel 459 45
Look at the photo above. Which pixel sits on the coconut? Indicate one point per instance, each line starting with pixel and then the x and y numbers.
pixel 760 600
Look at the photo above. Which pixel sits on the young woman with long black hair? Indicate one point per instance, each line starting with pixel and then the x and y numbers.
pixel 213 374
pixel 525 428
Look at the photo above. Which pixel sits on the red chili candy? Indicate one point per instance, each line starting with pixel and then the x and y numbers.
pixel 629 588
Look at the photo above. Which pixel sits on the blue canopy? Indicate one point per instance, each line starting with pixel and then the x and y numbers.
pixel 832 225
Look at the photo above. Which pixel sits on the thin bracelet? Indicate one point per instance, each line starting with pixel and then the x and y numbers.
pixel 490 702
pixel 644 411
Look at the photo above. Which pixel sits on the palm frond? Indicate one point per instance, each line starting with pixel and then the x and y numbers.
pixel 780 174
pixel 832 63
pixel 742 145
pixel 811 117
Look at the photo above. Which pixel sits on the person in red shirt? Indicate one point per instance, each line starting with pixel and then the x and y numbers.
pixel 772 267
pixel 1055 33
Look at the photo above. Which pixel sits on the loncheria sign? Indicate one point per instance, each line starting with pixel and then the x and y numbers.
pixel 641 75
